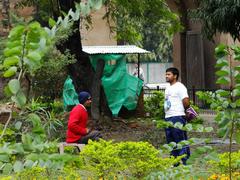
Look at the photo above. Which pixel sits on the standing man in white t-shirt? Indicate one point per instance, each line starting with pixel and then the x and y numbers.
pixel 176 102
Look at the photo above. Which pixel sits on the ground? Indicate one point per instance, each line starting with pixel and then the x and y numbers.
pixel 145 130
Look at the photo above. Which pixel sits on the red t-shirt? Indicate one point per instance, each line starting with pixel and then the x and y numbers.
pixel 77 123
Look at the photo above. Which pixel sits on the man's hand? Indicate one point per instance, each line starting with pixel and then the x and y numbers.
pixel 89 130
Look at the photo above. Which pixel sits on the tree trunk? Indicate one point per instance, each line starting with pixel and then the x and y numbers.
pixel 5 17
pixel 82 72
pixel 96 90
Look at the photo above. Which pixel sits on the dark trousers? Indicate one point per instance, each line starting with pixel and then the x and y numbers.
pixel 177 135
pixel 93 135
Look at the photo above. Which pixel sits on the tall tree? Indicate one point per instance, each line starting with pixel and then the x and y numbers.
pixel 219 16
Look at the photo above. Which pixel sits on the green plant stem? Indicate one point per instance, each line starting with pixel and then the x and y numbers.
pixel 6 125
pixel 230 149
pixel 23 51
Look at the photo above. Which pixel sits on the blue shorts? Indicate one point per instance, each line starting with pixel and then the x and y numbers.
pixel 177 135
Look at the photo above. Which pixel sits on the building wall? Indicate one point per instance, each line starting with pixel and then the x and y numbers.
pixel 99 33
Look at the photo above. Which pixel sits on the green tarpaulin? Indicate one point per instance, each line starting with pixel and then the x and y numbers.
pixel 121 88
pixel 70 97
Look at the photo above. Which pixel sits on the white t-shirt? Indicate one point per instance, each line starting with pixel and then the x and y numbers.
pixel 173 105
pixel 141 73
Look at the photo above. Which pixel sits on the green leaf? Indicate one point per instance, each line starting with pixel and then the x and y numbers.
pixel 35 25
pixel 223 92
pixel 178 125
pixel 28 163
pixel 32 46
pixel 199 128
pixel 7 91
pixel 16 32
pixel 236 92
pixel 172 144
pixel 37 126
pixel 18 125
pixel 238 102
pixel 14 86
pixel 12 44
pixel 201 150
pixel 236 49
pixel 4 158
pixel 221 50
pixel 237 57
pixel 10 61
pixel 223 81
pixel 7 169
pixel 225 104
pixel 96 4
pixel 51 22
pixel 20 99
pixel 26 139
pixel 188 127
pixel 12 51
pixel 18 166
pixel 237 68
pixel 221 63
pixel 34 56
pixel 208 129
pixel 85 9
pixel 222 131
pixel 18 148
pixel 10 72
pixel 166 146
pixel 222 73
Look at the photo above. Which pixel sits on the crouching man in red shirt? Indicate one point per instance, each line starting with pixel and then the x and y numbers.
pixel 77 131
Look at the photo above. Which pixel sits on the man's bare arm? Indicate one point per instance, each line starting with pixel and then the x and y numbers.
pixel 186 103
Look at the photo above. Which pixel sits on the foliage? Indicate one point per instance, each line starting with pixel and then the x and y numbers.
pixel 130 159
pixel 43 173
pixel 180 172
pixel 221 165
pixel 149 24
pixel 219 16
pixel 51 116
pixel 24 50
pixel 31 149
pixel 154 104
pixel 53 72
pixel 8 136
pixel 226 102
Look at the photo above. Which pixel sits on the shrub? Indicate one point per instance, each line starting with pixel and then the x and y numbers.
pixel 49 78
pixel 222 164
pixel 155 104
pixel 128 159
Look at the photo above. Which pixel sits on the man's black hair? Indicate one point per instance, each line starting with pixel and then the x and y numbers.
pixel 174 71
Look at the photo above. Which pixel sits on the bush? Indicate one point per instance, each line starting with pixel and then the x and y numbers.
pixel 49 78
pixel 128 159
pixel 222 164
pixel 155 104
